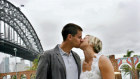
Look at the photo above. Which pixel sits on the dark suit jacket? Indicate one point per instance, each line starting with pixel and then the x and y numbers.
pixel 52 66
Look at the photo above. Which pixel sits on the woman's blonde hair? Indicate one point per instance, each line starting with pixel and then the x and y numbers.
pixel 96 43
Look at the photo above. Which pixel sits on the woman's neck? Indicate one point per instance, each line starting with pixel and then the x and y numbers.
pixel 89 54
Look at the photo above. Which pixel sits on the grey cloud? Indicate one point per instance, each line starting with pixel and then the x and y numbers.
pixel 116 23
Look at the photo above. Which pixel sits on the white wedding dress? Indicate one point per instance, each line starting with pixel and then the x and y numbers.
pixel 95 71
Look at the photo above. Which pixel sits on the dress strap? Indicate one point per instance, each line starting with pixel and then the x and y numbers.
pixel 98 56
pixel 96 60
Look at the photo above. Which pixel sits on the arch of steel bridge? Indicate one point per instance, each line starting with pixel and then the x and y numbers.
pixel 12 15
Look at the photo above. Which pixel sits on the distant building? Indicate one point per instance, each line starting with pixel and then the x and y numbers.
pixel 21 66
pixel 131 62
pixel 4 65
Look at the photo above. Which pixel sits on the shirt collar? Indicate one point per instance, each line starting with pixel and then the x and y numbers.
pixel 64 53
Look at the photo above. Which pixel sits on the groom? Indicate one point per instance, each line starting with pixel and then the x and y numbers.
pixel 61 62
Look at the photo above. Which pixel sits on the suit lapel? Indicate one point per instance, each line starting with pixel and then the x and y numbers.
pixel 56 49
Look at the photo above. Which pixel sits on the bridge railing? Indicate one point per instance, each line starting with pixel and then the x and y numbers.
pixel 20 75
pixel 30 75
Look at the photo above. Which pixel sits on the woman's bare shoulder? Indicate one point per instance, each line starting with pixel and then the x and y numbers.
pixel 104 61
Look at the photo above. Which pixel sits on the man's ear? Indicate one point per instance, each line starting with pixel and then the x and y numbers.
pixel 69 37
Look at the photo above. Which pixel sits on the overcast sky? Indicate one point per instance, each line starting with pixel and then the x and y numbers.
pixel 115 22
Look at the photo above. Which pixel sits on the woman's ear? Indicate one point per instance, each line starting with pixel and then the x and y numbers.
pixel 91 44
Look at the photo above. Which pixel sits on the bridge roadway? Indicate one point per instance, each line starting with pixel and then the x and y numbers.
pixel 8 47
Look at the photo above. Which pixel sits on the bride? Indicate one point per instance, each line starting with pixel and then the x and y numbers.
pixel 95 65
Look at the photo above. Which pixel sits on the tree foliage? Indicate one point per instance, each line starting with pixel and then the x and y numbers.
pixel 126 68
pixel 35 64
pixel 138 67
pixel 129 52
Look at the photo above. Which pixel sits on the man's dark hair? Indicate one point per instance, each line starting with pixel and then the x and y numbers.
pixel 70 28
